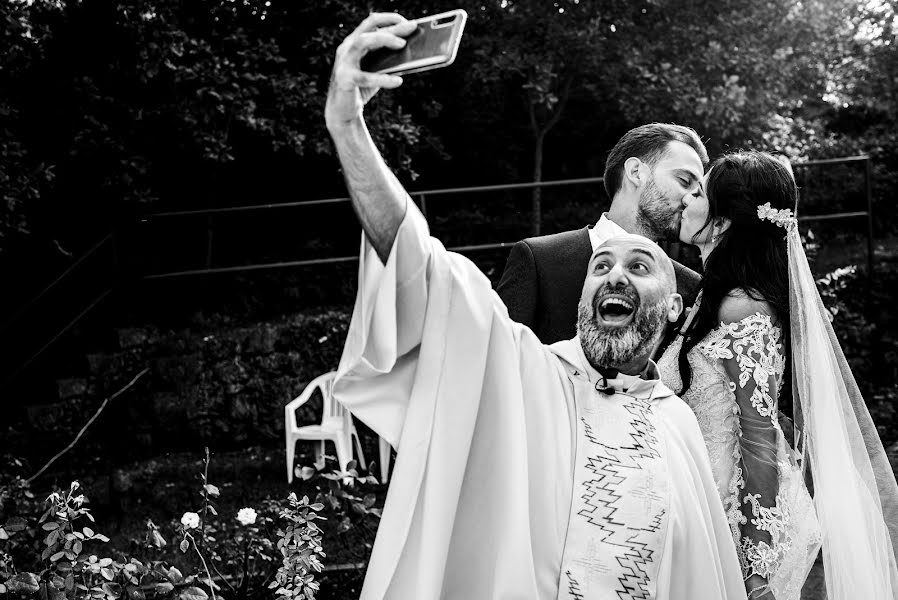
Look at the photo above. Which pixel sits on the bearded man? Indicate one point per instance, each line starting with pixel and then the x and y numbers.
pixel 648 173
pixel 523 470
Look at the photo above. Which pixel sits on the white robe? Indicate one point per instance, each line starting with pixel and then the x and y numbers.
pixel 484 420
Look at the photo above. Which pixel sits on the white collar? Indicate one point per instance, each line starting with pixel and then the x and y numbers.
pixel 646 385
pixel 604 230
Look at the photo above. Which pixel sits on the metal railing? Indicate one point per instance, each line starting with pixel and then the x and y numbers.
pixel 59 291
pixel 421 197
pixel 868 194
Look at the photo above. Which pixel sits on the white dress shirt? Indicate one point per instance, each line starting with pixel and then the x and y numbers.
pixel 604 230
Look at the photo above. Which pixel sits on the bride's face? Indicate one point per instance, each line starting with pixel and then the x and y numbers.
pixel 695 215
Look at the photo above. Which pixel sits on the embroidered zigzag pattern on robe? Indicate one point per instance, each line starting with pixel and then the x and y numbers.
pixel 573 587
pixel 617 472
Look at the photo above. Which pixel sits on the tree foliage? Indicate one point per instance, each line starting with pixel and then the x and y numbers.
pixel 109 107
pixel 543 54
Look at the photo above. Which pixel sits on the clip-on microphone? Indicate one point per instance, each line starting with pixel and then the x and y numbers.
pixel 605 384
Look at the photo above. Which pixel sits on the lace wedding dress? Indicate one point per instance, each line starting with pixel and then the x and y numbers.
pixel 737 373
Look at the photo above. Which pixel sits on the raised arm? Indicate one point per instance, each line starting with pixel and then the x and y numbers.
pixel 377 196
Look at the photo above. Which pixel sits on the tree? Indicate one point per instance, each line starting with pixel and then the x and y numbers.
pixel 729 67
pixel 544 53
pixel 130 103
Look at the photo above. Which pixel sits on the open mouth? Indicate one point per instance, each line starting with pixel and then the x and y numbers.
pixel 616 309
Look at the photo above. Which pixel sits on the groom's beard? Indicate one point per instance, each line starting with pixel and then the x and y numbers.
pixel 655 216
pixel 613 346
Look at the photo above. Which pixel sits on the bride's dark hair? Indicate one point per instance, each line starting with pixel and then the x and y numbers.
pixel 751 255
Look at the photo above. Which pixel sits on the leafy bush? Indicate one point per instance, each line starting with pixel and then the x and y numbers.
pixel 51 549
pixel 300 545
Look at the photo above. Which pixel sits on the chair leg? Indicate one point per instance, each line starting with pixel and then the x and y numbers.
pixel 319 455
pixel 291 452
pixel 384 447
pixel 358 449
pixel 344 450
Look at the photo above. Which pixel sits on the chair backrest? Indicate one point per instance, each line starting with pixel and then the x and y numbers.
pixel 331 410
pixel 332 413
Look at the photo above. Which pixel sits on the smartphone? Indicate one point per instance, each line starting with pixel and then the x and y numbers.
pixel 433 44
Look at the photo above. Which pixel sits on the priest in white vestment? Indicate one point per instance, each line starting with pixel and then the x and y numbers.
pixel 524 471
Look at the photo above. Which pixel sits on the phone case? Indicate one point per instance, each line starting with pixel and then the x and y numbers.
pixel 433 44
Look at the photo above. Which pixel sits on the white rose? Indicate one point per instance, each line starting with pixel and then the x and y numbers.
pixel 246 516
pixel 190 520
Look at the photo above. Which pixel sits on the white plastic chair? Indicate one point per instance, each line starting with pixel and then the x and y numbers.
pixel 336 426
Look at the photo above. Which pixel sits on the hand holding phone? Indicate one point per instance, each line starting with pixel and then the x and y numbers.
pixel 433 44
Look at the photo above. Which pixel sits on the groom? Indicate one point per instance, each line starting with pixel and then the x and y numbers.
pixel 524 471
pixel 648 173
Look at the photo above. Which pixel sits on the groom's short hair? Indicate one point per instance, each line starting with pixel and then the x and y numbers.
pixel 647 143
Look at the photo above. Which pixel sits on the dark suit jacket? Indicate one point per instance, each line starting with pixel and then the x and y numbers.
pixel 543 279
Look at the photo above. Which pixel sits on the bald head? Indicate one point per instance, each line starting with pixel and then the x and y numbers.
pixel 636 245
pixel 629 294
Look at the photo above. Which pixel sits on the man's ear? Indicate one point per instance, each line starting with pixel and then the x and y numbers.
pixel 633 171
pixel 674 307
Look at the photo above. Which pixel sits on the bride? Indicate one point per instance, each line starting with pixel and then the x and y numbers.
pixel 758 341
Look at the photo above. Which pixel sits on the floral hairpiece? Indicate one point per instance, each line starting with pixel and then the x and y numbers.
pixel 782 218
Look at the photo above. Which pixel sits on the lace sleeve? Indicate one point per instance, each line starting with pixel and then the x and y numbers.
pixel 751 355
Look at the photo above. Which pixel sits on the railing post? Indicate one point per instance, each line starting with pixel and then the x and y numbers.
pixel 422 199
pixel 870 248
pixel 209 227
